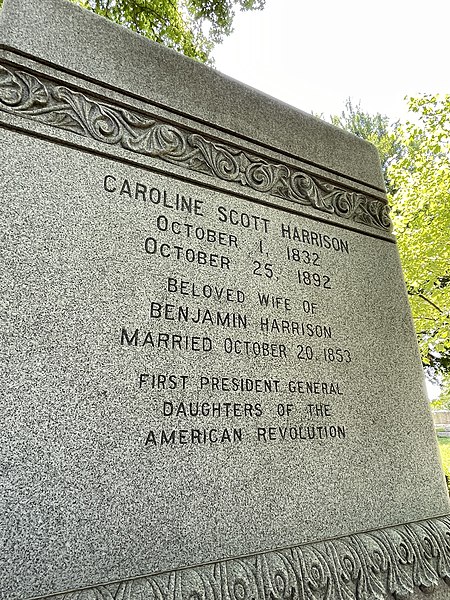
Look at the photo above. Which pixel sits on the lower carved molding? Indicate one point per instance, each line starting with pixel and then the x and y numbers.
pixel 377 565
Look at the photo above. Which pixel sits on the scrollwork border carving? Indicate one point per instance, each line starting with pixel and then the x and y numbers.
pixel 377 565
pixel 26 95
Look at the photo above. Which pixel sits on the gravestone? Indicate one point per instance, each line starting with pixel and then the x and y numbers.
pixel 211 386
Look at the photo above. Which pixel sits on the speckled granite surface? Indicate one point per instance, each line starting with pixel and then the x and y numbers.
pixel 207 347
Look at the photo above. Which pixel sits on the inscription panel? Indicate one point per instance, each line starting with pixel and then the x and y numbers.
pixel 193 376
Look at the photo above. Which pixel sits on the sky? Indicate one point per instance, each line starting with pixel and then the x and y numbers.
pixel 314 54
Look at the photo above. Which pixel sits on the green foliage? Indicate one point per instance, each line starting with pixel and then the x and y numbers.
pixel 443 402
pixel 445 395
pixel 416 162
pixel 191 27
pixel 444 449
pixel 376 129
pixel 421 215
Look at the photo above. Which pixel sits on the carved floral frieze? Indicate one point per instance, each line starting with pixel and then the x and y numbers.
pixel 59 106
pixel 379 565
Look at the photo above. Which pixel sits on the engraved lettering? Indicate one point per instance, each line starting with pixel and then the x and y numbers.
pixel 189 288
pixel 153 247
pixel 313 238
pixel 202 316
pixel 294 328
pixel 239 384
pixel 168 341
pixel 254 348
pixel 243 219
pixel 193 436
pixel 300 432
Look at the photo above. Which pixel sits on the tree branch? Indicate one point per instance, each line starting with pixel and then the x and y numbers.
pixel 429 302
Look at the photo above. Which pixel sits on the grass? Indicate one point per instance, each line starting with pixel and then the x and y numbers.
pixel 444 448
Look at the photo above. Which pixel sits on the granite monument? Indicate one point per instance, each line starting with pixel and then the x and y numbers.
pixel 211 386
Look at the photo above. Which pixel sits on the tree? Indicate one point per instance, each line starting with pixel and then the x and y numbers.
pixel 191 27
pixel 376 129
pixel 416 161
pixel 421 215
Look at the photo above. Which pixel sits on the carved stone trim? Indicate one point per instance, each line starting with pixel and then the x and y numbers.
pixel 379 565
pixel 24 94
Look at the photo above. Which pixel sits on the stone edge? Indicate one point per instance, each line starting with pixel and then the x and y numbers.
pixel 85 44
pixel 60 106
pixel 387 563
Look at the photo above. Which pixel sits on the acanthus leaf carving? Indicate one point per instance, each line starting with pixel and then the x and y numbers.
pixel 378 565
pixel 61 107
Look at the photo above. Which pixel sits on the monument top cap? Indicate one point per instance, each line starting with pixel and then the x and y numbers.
pixel 213 387
pixel 121 59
